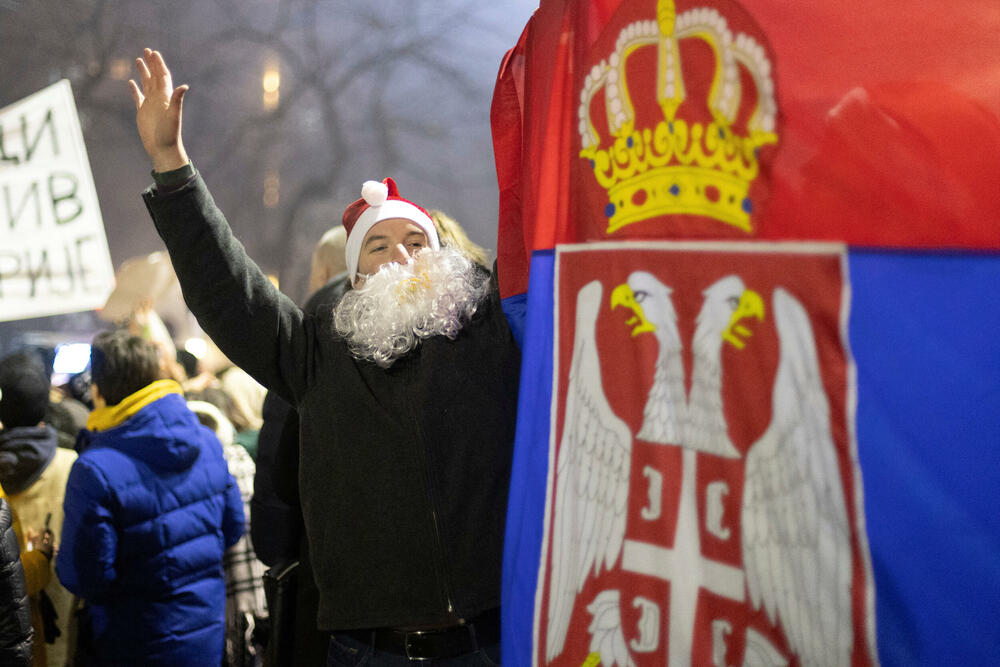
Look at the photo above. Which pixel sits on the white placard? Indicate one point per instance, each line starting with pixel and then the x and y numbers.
pixel 53 251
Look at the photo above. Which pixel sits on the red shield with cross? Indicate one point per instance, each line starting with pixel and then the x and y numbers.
pixel 704 501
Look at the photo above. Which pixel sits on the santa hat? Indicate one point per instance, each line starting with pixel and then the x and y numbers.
pixel 380 201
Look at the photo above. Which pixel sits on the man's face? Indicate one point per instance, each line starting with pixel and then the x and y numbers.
pixel 393 240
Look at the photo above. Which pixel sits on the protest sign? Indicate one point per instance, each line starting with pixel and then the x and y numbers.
pixel 53 251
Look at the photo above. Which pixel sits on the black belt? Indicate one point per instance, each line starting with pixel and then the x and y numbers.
pixel 483 630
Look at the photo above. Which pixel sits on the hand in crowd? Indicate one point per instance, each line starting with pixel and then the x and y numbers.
pixel 158 112
pixel 200 382
pixel 42 542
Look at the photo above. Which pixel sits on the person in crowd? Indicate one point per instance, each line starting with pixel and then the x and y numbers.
pixel 327 265
pixel 16 633
pixel 276 519
pixel 78 389
pixel 66 415
pixel 243 433
pixel 246 607
pixel 246 413
pixel 150 508
pixel 406 397
pixel 189 363
pixel 33 472
pixel 277 523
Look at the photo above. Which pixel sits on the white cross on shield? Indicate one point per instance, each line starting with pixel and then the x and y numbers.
pixel 685 568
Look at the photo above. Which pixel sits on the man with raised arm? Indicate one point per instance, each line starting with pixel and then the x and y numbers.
pixel 406 390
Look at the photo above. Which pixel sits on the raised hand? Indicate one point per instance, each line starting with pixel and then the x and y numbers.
pixel 158 112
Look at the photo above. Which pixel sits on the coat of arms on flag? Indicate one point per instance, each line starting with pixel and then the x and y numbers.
pixel 704 505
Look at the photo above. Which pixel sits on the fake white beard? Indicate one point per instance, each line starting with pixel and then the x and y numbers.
pixel 435 294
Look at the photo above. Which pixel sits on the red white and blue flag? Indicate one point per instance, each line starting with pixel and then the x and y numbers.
pixel 754 250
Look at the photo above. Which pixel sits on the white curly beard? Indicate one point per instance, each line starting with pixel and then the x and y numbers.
pixel 435 294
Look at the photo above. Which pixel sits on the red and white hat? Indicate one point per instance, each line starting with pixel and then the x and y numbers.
pixel 380 201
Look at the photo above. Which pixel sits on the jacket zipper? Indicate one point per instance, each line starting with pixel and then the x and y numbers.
pixel 440 546
pixel 431 498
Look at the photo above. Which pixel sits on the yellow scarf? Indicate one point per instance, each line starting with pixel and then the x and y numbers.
pixel 110 416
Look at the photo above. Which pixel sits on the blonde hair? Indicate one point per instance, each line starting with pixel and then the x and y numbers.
pixel 452 235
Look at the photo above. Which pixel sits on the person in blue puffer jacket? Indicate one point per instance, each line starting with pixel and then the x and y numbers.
pixel 150 508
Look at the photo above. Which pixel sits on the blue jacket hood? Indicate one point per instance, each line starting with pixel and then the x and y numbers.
pixel 163 435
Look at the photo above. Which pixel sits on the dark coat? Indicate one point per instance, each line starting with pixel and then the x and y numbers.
pixel 276 513
pixel 150 508
pixel 404 471
pixel 15 614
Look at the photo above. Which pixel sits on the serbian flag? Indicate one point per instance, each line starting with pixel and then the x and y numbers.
pixel 750 250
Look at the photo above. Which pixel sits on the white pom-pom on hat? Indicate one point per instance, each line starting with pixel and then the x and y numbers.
pixel 374 193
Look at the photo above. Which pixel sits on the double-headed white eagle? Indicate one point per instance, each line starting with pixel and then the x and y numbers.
pixel 795 529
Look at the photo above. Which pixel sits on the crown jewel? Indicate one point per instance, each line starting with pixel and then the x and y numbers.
pixel 680 165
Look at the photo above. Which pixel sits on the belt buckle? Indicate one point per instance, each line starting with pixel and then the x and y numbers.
pixel 407 644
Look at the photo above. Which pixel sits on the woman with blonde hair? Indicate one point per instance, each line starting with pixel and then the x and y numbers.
pixel 452 235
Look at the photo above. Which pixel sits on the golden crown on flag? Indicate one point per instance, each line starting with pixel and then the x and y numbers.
pixel 680 165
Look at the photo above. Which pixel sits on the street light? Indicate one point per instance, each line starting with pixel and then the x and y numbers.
pixel 271 82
